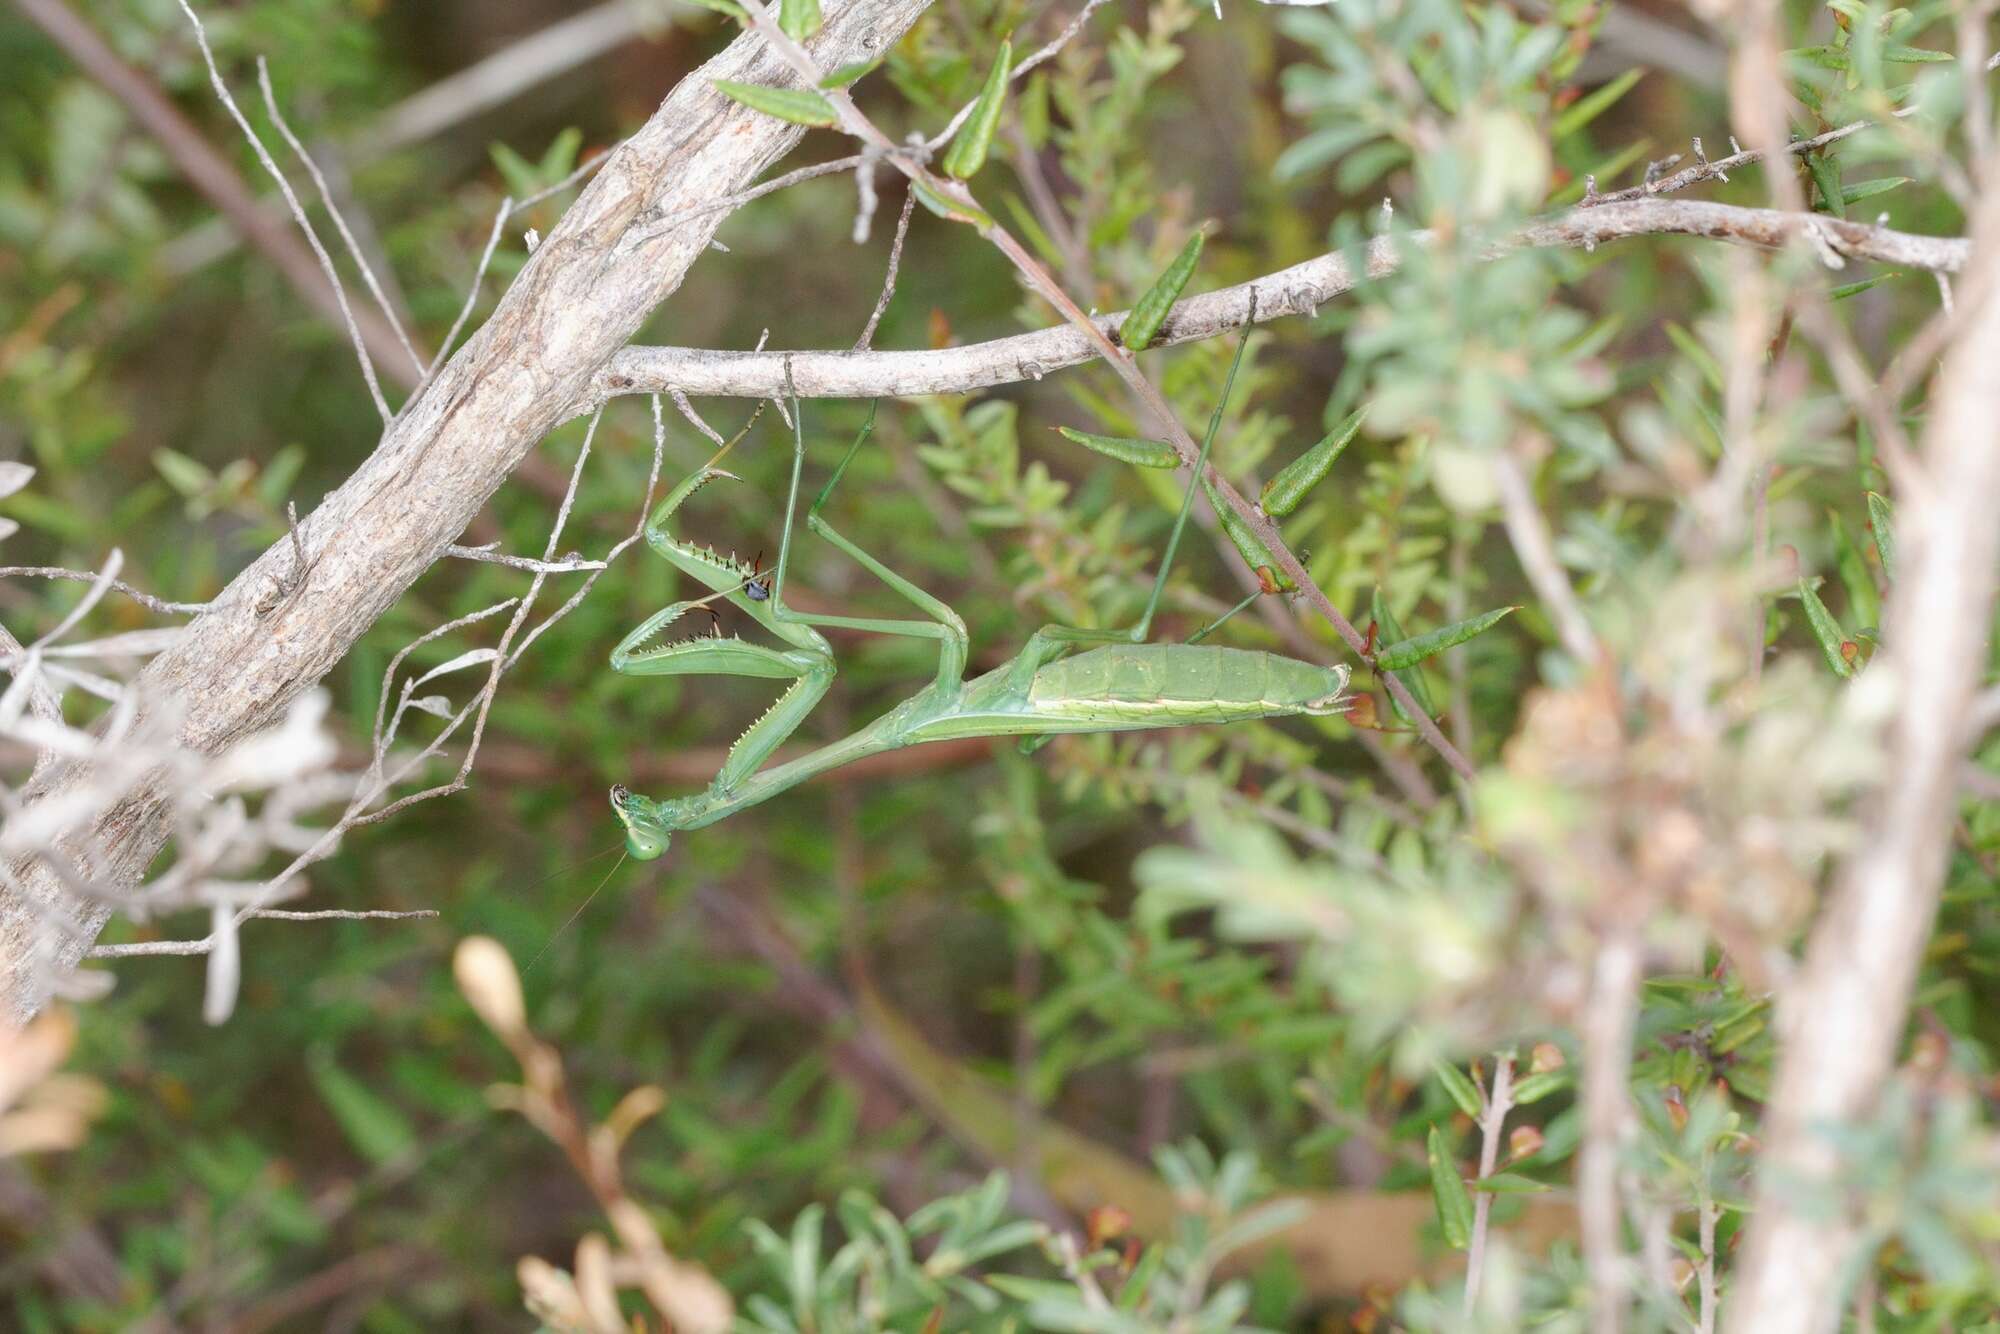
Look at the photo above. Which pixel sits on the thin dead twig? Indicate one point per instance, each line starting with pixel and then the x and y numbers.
pixel 270 165
pixel 1298 290
pixel 867 337
pixel 327 201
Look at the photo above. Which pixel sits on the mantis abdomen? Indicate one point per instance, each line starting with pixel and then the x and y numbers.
pixel 1151 684
pixel 1125 687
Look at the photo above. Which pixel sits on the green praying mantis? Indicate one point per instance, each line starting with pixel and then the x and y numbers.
pixel 1123 684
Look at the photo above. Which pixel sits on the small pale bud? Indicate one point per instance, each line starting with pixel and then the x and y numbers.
pixel 1523 1142
pixel 1106 1223
pixel 1677 1109
pixel 634 1110
pixel 491 986
pixel 1547 1056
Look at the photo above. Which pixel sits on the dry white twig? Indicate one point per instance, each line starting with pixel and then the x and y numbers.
pixel 1298 290
pixel 326 199
pixel 270 164
pixel 1497 1099
pixel 1612 1012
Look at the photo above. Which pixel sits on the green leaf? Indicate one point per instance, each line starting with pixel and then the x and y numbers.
pixel 1916 55
pixel 950 208
pixel 183 474
pixel 1283 493
pixel 517 171
pixel 375 1127
pixel 799 18
pixel 1143 324
pixel 1826 175
pixel 1881 520
pixel 1140 1283
pixel 1533 1088
pixel 1695 351
pixel 849 74
pixel 1593 104
pixel 1510 1183
pixel 1454 1201
pixel 797 105
pixel 1032 111
pixel 967 153
pixel 1863 604
pixel 1412 678
pixel 1825 629
pixel 1410 652
pixel 725 7
pixel 1845 290
pixel 1461 1089
pixel 1250 546
pixel 1881 185
pixel 1139 453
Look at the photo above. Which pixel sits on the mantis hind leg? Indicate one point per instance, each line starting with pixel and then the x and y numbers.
pixel 944 626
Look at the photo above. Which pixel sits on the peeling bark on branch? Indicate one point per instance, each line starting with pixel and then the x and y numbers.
pixel 586 290
pixel 1298 290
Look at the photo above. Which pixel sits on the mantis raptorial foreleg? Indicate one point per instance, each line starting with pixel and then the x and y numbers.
pixel 805 658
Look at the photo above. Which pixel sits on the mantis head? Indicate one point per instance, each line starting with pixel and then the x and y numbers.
pixel 645 839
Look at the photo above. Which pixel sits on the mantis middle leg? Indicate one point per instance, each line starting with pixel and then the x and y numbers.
pixel 944 626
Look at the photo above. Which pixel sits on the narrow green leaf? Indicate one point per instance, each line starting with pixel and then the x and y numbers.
pixel 1458 1086
pixel 1533 1088
pixel 1826 175
pixel 800 19
pixel 949 208
pixel 1033 112
pixel 1139 453
pixel 1881 185
pixel 797 105
pixel 1695 351
pixel 1863 604
pixel 1387 630
pixel 1916 55
pixel 183 474
pixel 849 74
pixel 1140 1283
pixel 1825 629
pixel 1510 1183
pixel 1283 493
pixel 1454 1201
pixel 1593 104
pixel 967 153
pixel 1150 311
pixel 1250 546
pixel 1845 290
pixel 375 1127
pixel 1826 57
pixel 1881 519
pixel 1410 652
